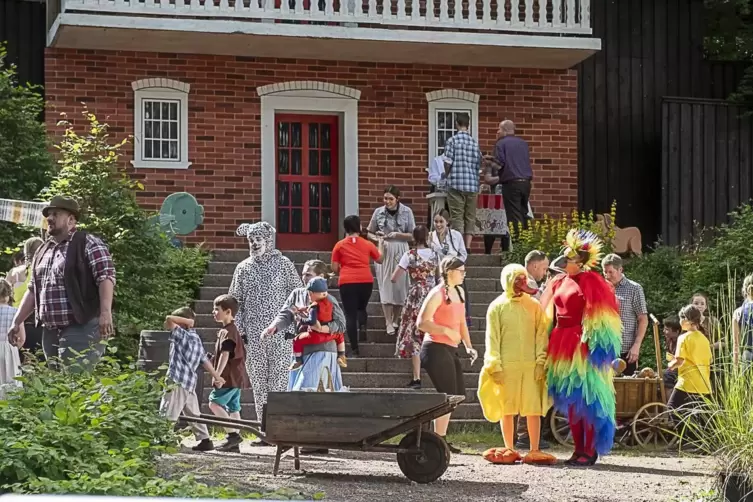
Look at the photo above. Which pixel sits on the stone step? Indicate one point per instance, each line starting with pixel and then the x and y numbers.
pixel 394 380
pixel 247 395
pixel 238 255
pixel 373 335
pixel 386 350
pixel 395 365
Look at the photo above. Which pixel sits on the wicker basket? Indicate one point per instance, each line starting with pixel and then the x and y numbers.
pixel 633 393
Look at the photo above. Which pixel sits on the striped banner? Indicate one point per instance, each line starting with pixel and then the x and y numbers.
pixel 23 212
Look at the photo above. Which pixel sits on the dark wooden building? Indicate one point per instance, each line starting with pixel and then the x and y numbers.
pixel 23 30
pixel 650 49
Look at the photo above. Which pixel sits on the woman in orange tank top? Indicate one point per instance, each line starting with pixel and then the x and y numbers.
pixel 442 318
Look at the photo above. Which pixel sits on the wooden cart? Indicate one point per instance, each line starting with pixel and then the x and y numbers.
pixel 361 421
pixel 639 401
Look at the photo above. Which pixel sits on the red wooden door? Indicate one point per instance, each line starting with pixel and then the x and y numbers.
pixel 306 158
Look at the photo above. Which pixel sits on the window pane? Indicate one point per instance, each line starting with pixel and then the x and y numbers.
pixel 326 223
pixel 295 133
pixel 326 195
pixel 326 135
pixel 314 195
pixel 173 130
pixel 440 120
pixel 313 221
pixel 283 193
pixel 283 162
pixel 147 109
pixel 314 162
pixel 147 149
pixel 156 130
pixel 147 129
pixel 174 150
pixel 165 111
pixel 173 111
pixel 283 134
pixel 165 149
pixel 296 226
pixel 314 136
pixel 283 220
pixel 155 149
pixel 296 165
pixel 166 130
pixel 326 163
pixel 155 110
pixel 297 195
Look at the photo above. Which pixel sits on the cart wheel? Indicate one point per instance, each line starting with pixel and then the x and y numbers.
pixel 430 463
pixel 561 429
pixel 652 426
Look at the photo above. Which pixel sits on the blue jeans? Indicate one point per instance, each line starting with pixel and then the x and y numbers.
pixel 78 346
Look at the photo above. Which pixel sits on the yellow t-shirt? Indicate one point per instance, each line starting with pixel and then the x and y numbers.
pixel 694 375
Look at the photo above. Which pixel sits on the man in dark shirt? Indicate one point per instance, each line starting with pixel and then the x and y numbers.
pixel 513 157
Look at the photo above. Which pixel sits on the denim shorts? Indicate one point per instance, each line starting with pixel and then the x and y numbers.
pixel 230 399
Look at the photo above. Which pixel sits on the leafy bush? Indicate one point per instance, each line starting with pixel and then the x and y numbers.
pixel 153 277
pixel 25 163
pixel 96 433
pixel 547 234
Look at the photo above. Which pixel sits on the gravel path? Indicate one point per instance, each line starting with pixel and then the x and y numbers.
pixel 368 477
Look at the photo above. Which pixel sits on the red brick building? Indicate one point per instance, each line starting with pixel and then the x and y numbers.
pixel 300 114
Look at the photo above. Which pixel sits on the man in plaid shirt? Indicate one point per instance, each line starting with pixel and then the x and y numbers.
pixel 71 289
pixel 186 355
pixel 462 165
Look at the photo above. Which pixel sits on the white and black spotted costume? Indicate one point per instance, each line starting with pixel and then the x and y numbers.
pixel 261 283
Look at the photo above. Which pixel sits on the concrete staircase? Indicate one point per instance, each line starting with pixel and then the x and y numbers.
pixel 377 370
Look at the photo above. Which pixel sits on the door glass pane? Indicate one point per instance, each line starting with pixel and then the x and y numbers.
pixel 326 163
pixel 325 128
pixel 296 165
pixel 313 221
pixel 313 135
pixel 283 220
pixel 283 193
pixel 296 196
pixel 283 134
pixel 283 162
pixel 313 162
pixel 314 195
pixel 326 223
pixel 326 195
pixel 295 134
pixel 296 225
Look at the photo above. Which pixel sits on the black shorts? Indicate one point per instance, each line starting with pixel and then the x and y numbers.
pixel 442 363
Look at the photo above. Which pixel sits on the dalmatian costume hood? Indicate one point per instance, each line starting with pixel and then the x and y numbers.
pixel 261 283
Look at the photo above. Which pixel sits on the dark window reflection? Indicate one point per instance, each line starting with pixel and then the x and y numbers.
pixel 326 195
pixel 313 221
pixel 314 162
pixel 283 193
pixel 283 220
pixel 283 162
pixel 295 132
pixel 314 136
pixel 297 221
pixel 325 135
pixel 326 221
pixel 297 195
pixel 326 163
pixel 283 134
pixel 297 162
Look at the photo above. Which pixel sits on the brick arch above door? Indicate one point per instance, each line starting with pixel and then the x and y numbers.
pixel 309 97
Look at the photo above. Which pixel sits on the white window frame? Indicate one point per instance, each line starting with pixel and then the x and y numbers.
pixel 160 89
pixel 450 100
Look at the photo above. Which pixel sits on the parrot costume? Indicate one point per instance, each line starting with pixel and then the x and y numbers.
pixel 512 381
pixel 582 347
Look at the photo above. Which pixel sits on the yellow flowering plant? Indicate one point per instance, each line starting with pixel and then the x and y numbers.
pixel 548 233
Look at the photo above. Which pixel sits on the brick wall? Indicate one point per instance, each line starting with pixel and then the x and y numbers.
pixel 224 123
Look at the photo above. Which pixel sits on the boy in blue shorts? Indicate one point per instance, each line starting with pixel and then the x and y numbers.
pixel 230 362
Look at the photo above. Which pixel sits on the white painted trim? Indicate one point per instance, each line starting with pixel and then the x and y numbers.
pixel 153 88
pixel 52 35
pixel 450 99
pixel 530 40
pixel 321 89
pixel 290 102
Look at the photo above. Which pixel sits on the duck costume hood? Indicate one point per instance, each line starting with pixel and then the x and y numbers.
pixel 514 279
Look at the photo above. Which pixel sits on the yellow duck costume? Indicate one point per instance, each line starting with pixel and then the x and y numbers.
pixel 512 381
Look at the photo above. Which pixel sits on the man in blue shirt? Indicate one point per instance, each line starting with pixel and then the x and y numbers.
pixel 512 155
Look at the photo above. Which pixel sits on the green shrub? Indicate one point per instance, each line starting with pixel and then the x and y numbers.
pixel 153 277
pixel 96 433
pixel 25 163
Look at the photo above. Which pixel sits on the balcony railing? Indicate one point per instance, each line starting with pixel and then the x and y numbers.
pixel 534 17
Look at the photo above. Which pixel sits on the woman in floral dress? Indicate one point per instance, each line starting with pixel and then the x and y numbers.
pixel 421 264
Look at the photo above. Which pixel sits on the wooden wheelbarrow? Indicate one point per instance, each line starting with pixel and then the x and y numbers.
pixel 357 421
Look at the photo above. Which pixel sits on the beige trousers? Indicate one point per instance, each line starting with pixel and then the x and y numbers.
pixel 180 400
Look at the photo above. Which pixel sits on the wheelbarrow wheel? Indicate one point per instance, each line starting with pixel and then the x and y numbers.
pixel 652 427
pixel 560 428
pixel 429 463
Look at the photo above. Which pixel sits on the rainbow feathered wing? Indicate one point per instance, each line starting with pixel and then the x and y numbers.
pixel 581 379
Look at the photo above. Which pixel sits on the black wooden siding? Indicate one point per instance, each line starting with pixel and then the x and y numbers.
pixel 650 49
pixel 22 29
pixel 707 165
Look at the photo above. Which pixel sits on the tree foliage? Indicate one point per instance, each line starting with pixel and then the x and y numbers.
pixel 25 163
pixel 729 37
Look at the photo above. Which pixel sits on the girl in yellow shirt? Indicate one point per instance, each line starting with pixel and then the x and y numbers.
pixel 692 359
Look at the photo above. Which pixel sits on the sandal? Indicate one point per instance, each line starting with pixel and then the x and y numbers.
pixel 582 460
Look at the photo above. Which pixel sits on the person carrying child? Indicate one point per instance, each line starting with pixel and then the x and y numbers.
pixel 186 355
pixel 10 360
pixel 229 361
pixel 318 314
pixel 692 360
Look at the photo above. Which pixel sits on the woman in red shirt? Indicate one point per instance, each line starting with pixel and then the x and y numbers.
pixel 351 259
